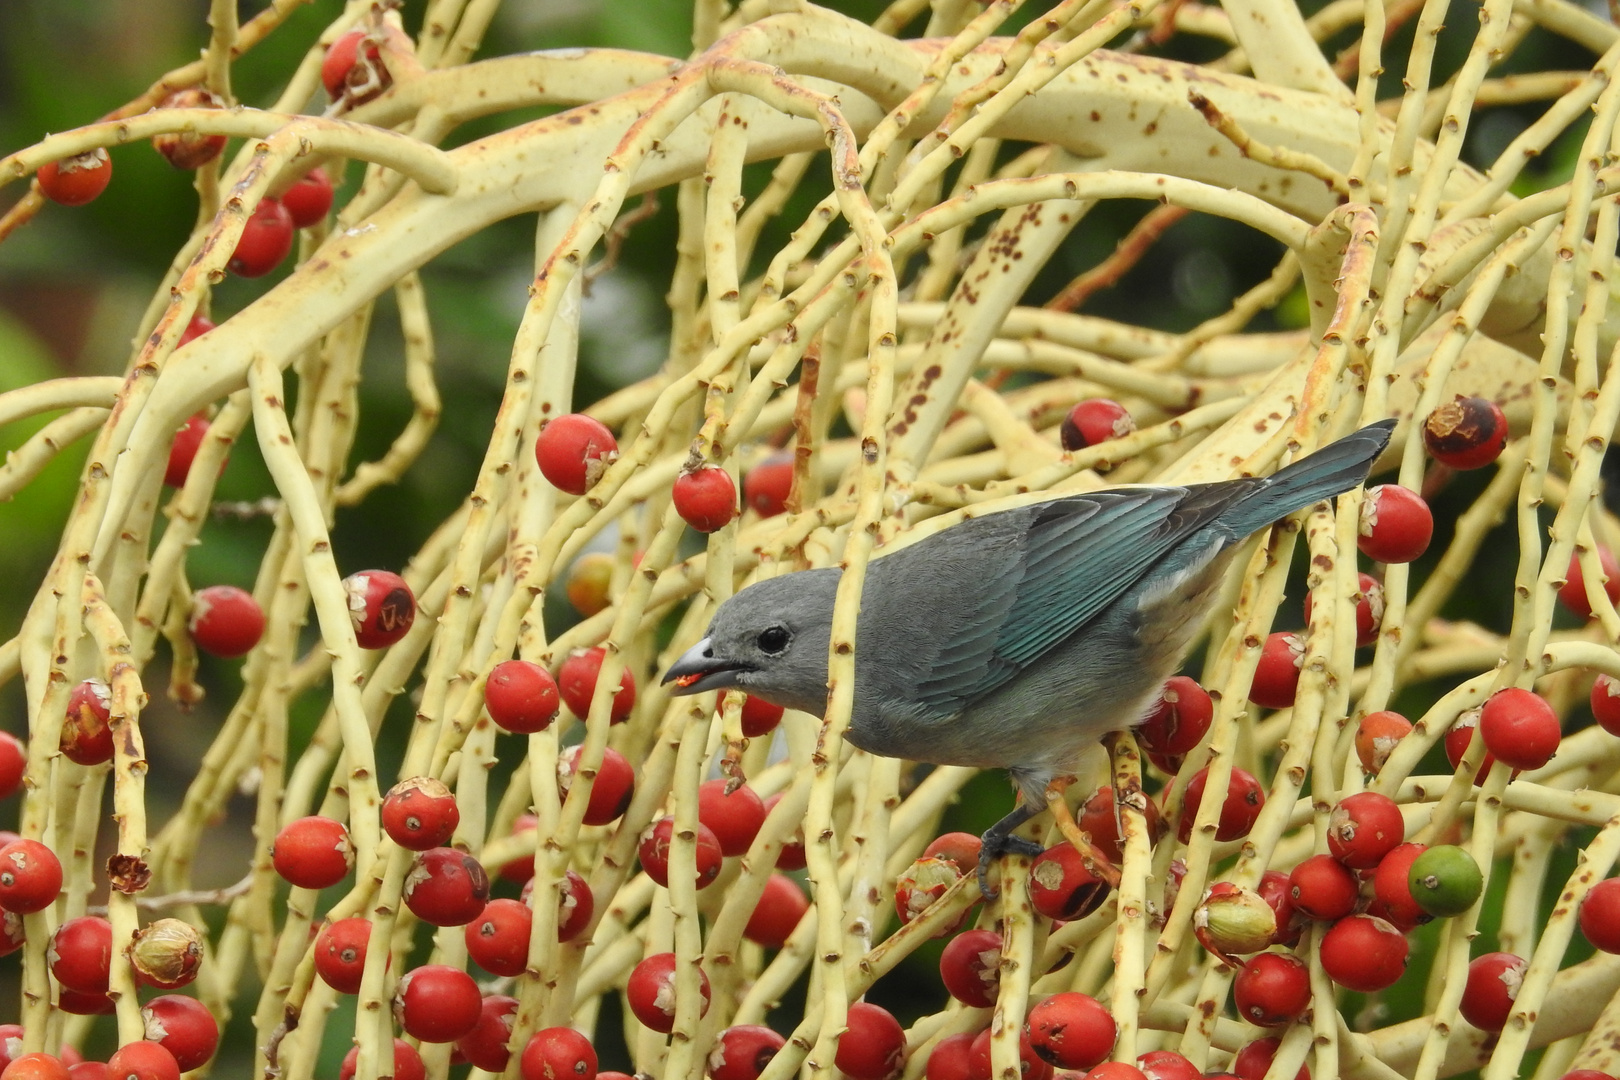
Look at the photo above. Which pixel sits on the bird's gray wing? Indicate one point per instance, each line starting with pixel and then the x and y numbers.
pixel 1075 557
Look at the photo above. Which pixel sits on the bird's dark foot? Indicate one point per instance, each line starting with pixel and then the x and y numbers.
pixel 998 840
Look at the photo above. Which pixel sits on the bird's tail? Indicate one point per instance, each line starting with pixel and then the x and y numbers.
pixel 1335 468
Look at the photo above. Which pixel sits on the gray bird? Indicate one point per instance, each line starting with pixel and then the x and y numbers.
pixel 1017 639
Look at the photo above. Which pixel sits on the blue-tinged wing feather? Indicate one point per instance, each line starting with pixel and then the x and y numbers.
pixel 1071 572
pixel 1037 575
pixel 1075 557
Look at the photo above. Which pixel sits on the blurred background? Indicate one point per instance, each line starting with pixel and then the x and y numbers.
pixel 74 282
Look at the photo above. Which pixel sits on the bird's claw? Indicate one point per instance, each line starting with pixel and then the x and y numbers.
pixel 995 845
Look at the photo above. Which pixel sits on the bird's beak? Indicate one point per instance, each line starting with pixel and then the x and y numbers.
pixel 699 669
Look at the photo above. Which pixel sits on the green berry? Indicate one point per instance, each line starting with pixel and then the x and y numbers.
pixel 1445 881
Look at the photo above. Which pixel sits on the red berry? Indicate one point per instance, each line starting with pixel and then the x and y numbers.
pixel 766 486
pixel 1393 892
pixel 1606 703
pixel 81 954
pixel 610 794
pixel 1322 888
pixel 781 905
pixel 1031 1066
pixel 654 852
pixel 520 870
pixel 735 819
pixel 35 1067
pixel 420 813
pixel 1493 984
pixel 1466 432
pixel 1364 828
pixel 1116 1070
pixel 706 498
pixel 1396 524
pixel 225 621
pixel 1060 885
pixel 437 1003
pixel 407 1063
pixel 1457 739
pixel 948 1060
pixel 1253 1061
pixel 353 68
pixel 498 939
pixel 76 180
pixel 1071 1031
pixel 196 328
pixel 521 697
pixel 1600 915
pixel 309 199
pixel 485 1044
pixel 30 876
pixel 446 887
pixel 1377 735
pixel 873 1047
pixel 14 753
pixel 1520 728
pixel 1586 1074
pixel 1179 720
pixel 92 1070
pixel 381 607
pixel 1244 801
pixel 1094 421
pixel 72 1001
pixel 924 882
pixel 1275 890
pixel 792 856
pixel 266 239
pixel 313 852
pixel 970 967
pixel 1276 679
pixel 1363 952
pixel 1369 601
pixel 189 149
pixel 960 848
pixel 558 1053
pixel 742 1052
pixel 143 1060
pixel 575 904
pixel 87 736
pixel 1167 1065
pixel 576 682
pixel 1099 820
pixel 759 717
pixel 651 991
pixel 1272 989
pixel 573 452
pixel 166 954
pixel 183 451
pixel 184 1026
pixel 340 953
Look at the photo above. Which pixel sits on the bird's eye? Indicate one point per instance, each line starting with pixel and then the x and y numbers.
pixel 773 639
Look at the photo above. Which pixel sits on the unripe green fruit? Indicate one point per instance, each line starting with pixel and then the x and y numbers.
pixel 1445 881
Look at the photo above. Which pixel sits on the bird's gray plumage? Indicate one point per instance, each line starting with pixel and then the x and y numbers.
pixel 1018 638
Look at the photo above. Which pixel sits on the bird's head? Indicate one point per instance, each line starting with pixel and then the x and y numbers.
pixel 769 640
